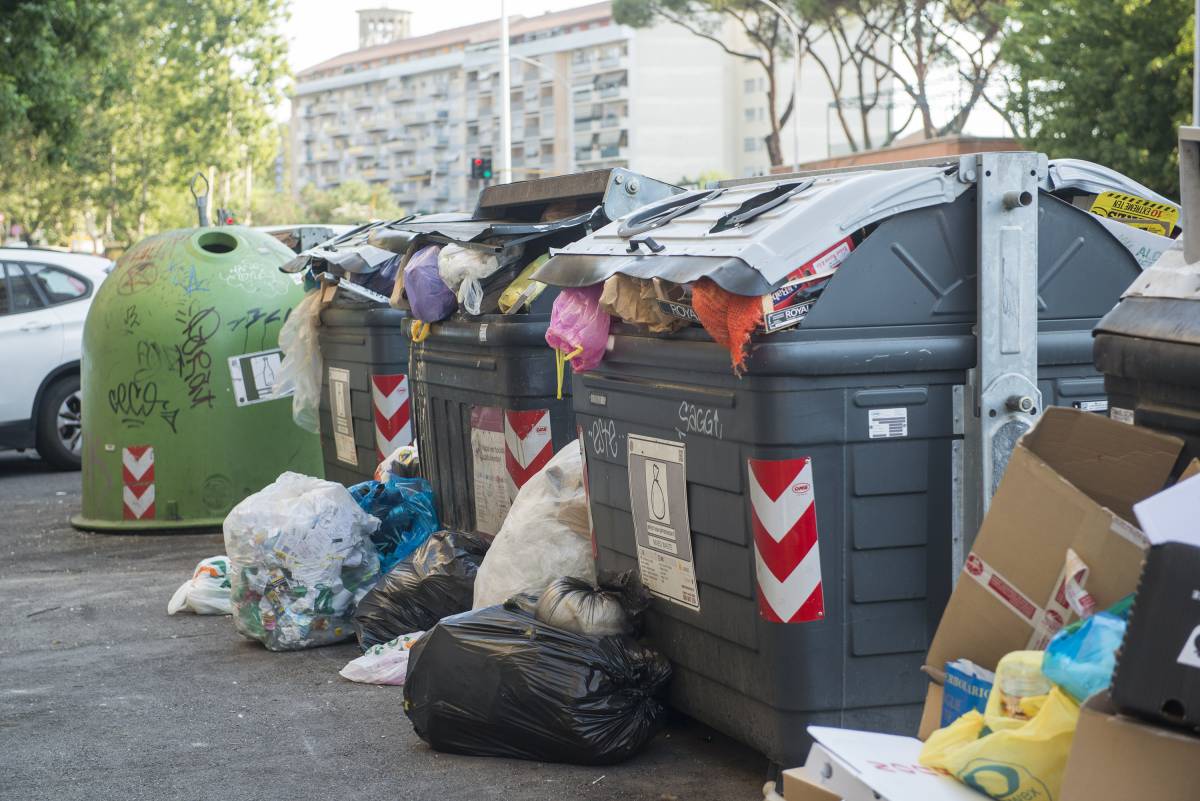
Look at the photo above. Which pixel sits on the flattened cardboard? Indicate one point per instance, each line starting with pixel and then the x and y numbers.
pixel 1071 483
pixel 1116 758
pixel 797 787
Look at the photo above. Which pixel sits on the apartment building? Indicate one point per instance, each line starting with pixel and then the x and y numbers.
pixel 410 112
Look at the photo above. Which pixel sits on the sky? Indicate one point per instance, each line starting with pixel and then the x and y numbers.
pixel 321 29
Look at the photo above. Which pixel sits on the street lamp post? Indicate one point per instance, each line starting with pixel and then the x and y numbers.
pixel 795 29
pixel 505 101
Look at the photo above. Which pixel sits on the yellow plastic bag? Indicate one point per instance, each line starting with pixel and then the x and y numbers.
pixel 523 290
pixel 1009 758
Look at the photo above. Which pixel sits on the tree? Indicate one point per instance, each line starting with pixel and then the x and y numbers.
pixel 770 42
pixel 351 202
pixel 1104 80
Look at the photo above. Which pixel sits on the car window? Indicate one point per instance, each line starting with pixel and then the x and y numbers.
pixel 22 297
pixel 58 286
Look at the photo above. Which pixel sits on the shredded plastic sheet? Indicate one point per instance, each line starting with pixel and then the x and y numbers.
pixel 206 592
pixel 300 371
pixel 545 535
pixel 300 559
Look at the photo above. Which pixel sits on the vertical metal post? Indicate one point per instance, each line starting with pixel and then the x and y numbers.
pixel 505 100
pixel 1002 397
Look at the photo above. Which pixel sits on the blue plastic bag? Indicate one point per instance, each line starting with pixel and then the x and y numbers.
pixel 404 507
pixel 1081 657
pixel 428 296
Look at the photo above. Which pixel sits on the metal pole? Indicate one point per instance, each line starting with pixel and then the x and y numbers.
pixel 795 29
pixel 505 101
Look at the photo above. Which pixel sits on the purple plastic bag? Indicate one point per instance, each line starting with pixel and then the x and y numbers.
pixel 428 296
pixel 578 323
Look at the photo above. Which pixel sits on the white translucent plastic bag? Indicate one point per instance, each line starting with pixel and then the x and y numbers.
pixel 300 372
pixel 462 269
pixel 544 537
pixel 300 559
pixel 386 663
pixel 206 592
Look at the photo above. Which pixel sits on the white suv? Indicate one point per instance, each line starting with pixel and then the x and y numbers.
pixel 44 300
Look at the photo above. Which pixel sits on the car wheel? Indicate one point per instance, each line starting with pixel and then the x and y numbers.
pixel 60 425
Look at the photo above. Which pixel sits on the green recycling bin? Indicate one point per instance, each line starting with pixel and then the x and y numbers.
pixel 180 353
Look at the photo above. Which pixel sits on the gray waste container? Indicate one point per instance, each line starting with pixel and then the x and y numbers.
pixel 797 524
pixel 484 387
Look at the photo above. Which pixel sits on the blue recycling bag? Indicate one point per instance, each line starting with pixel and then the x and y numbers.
pixel 405 510
pixel 1081 657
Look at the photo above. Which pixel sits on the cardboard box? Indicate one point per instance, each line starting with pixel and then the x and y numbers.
pixel 1071 484
pixel 1116 758
pixel 848 765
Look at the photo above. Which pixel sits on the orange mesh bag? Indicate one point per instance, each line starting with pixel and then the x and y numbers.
pixel 728 318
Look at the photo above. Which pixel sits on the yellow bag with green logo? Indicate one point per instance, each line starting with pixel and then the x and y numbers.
pixel 1015 751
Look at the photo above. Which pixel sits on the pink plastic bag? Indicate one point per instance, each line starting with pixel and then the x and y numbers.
pixel 578 327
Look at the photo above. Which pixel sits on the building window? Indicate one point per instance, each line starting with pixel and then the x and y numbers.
pixel 750 144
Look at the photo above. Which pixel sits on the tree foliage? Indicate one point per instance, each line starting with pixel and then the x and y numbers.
pixel 163 88
pixel 1104 80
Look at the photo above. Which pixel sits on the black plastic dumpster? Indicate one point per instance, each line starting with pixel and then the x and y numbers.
pixel 797 524
pixel 484 387
pixel 1148 348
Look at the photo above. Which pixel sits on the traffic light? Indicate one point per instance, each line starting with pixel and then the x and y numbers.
pixel 481 168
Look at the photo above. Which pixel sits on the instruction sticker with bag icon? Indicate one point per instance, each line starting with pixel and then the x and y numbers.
pixel 658 498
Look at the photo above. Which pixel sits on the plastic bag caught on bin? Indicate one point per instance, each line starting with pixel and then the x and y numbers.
pixel 498 682
pixel 429 299
pixel 578 329
pixel 462 269
pixel 385 663
pixel 523 290
pixel 635 300
pixel 545 535
pixel 300 558
pixel 405 462
pixel 613 605
pixel 1081 657
pixel 300 371
pixel 206 592
pixel 1016 749
pixel 404 507
pixel 436 582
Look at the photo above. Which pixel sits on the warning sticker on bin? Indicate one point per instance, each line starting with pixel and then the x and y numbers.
pixel 658 500
pixel 253 376
pixel 339 409
pixel 1138 212
pixel 488 468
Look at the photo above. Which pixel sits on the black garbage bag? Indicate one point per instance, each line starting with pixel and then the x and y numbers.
pixel 436 581
pixel 498 682
pixel 613 605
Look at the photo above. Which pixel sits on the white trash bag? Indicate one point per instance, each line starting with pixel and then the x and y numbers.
pixel 300 559
pixel 300 372
pixel 386 663
pixel 544 537
pixel 462 269
pixel 206 592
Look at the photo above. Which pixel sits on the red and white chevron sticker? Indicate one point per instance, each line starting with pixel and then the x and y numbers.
pixel 787 559
pixel 137 482
pixel 393 413
pixel 527 445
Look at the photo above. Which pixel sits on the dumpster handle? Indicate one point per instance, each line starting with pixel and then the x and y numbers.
pixel 649 242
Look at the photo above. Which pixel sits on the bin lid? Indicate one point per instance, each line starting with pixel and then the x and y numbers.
pixel 1087 176
pixel 364 248
pixel 747 237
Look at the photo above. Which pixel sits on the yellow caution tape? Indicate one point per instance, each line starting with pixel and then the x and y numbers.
pixel 1138 212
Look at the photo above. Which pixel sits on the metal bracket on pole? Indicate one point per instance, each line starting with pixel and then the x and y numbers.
pixel 1002 400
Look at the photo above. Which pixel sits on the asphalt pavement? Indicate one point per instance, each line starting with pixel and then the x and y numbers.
pixel 104 696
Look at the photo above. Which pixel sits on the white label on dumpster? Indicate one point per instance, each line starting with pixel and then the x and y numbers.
pixel 343 422
pixel 658 498
pixel 488 468
pixel 1091 405
pixel 1121 415
pixel 886 423
pixel 253 376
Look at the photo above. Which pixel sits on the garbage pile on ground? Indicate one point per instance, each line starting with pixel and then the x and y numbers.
pixel 501 681
pixel 1041 686
pixel 206 592
pixel 437 581
pixel 300 558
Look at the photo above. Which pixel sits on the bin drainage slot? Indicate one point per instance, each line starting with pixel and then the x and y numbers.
pixel 217 242
pixel 1173 708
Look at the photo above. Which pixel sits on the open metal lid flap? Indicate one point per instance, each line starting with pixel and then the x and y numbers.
pixel 1086 176
pixel 616 190
pixel 769 228
pixel 469 230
